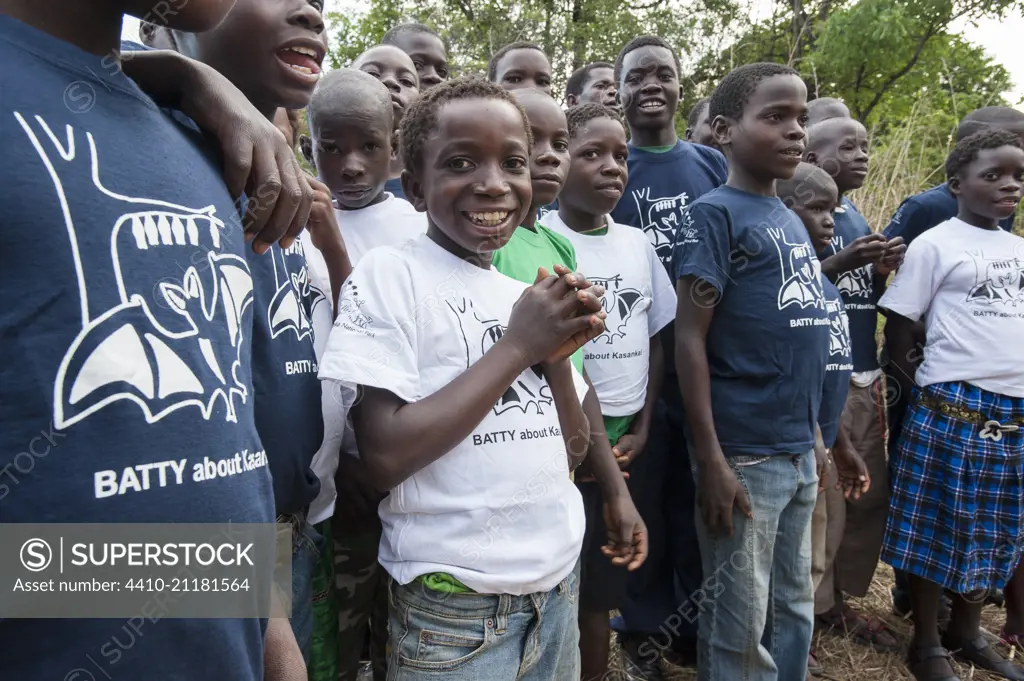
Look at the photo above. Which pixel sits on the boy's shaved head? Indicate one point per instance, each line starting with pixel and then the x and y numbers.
pixel 991 118
pixel 350 91
pixel 395 32
pixel 825 108
pixel 807 182
pixel 823 132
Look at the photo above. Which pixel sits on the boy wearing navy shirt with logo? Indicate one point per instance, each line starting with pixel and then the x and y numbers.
pixel 287 391
pixel 752 347
pixel 858 262
pixel 665 175
pixel 145 355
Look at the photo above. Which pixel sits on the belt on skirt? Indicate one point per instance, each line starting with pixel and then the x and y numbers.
pixel 990 428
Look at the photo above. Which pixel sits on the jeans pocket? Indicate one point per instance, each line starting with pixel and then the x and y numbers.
pixel 440 644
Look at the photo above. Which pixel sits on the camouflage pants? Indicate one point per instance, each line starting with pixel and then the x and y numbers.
pixel 323 659
pixel 362 587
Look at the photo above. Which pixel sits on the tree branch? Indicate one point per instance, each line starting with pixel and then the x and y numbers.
pixel 928 35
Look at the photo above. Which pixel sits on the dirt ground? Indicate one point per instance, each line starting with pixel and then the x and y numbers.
pixel 844 660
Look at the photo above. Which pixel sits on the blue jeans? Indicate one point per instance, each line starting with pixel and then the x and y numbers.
pixel 484 637
pixel 757 603
pixel 307 545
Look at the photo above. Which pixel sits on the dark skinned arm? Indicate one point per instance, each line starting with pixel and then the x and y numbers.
pixel 863 251
pixel 633 443
pixel 256 157
pixel 904 353
pixel 398 438
pixel 718 489
pixel 326 237
pixel 572 420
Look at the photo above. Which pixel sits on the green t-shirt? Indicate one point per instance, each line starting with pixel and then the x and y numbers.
pixel 527 250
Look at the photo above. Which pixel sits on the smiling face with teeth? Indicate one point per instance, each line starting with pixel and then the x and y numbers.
pixel 271 50
pixel 474 179
pixel 649 91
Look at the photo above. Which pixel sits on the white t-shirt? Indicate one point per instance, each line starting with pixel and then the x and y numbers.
pixel 640 302
pixel 498 512
pixel 968 284
pixel 388 223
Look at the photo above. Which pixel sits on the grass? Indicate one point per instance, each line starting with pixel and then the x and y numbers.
pixel 845 660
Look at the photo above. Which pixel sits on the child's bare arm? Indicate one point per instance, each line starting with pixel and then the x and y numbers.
pixel 901 335
pixel 719 490
pixel 326 237
pixel 574 423
pixel 255 154
pixel 397 438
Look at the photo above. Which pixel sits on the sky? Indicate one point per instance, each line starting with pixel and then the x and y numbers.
pixel 998 37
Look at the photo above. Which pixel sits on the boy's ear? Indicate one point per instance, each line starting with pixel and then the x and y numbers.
pixel 306 145
pixel 721 128
pixel 954 185
pixel 811 157
pixel 413 190
pixel 394 146
pixel 688 135
pixel 571 100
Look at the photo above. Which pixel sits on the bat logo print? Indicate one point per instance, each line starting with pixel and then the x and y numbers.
pixel 800 273
pixel 855 283
pixel 838 329
pixel 619 303
pixel 161 340
pixel 291 307
pixel 528 394
pixel 1002 281
pixel 661 218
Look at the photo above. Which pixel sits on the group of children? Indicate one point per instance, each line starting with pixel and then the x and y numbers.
pixel 525 365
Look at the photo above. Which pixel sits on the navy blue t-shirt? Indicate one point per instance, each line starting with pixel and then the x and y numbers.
pixel 289 406
pixel 859 288
pixel 840 365
pixel 394 186
pixel 768 342
pixel 662 185
pixel 659 188
pixel 126 347
pixel 920 212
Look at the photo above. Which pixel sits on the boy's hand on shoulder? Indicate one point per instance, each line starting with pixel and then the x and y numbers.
pixel 892 258
pixel 627 534
pixel 553 318
pixel 719 491
pixel 629 446
pixel 257 158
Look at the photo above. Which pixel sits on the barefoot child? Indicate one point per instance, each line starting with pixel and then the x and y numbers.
pixel 752 348
pixel 956 516
pixel 467 396
pixel 519 66
pixel 625 362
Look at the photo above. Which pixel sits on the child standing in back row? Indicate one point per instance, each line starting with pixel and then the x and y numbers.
pixel 425 47
pixel 665 175
pixel 858 261
pixel 350 146
pixel 467 396
pixel 626 362
pixel 956 519
pixel 752 347
pixel 520 66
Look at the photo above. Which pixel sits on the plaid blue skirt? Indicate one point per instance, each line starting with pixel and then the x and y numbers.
pixel 956 515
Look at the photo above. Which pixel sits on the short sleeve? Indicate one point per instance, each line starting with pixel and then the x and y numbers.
pixel 910 221
pixel 663 294
pixel 915 283
pixel 373 342
pixel 702 247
